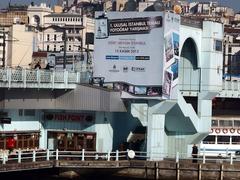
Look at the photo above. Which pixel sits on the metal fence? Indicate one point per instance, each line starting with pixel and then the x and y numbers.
pixel 47 155
pixel 26 77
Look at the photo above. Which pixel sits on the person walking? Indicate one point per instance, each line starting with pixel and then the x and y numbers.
pixel 194 153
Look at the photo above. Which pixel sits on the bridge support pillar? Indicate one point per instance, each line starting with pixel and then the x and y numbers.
pixel 205 110
pixel 156 134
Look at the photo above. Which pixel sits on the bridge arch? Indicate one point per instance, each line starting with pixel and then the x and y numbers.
pixel 189 71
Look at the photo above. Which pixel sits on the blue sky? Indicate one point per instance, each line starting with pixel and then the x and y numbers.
pixel 230 3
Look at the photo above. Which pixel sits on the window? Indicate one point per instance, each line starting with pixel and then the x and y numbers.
pixel 209 140
pixel 20 112
pixel 218 45
pixel 236 123
pixel 235 139
pixel 225 123
pixel 54 48
pixel 48 37
pixel 55 37
pixel 229 49
pixel 214 123
pixel 223 139
pixel 70 48
pixel 29 112
pixel 47 47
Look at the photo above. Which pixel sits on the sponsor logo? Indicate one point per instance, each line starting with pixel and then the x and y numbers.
pixel 125 69
pixel 138 69
pixel 114 69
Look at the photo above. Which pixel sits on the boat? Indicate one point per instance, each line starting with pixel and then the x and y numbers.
pixel 224 138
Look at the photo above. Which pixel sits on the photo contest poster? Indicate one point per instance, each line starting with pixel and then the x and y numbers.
pixel 129 52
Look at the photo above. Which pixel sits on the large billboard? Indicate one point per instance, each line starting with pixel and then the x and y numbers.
pixel 137 52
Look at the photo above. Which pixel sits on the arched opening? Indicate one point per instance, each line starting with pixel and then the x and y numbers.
pixel 189 73
pixel 36 20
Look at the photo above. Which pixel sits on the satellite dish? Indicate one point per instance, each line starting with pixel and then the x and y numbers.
pixel 158 5
pixel 131 5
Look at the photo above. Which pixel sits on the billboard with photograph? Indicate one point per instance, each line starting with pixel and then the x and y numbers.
pixel 171 56
pixel 131 49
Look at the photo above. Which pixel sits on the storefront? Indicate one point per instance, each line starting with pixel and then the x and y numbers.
pixel 19 140
pixel 72 141
pixel 70 131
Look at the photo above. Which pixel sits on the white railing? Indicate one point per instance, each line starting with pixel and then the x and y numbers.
pixel 83 155
pixel 23 77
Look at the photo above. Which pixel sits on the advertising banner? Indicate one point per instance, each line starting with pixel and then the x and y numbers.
pixel 129 51
pixel 171 55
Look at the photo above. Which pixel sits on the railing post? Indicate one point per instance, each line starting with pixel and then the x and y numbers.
pixel 53 78
pixel 47 154
pixel 57 152
pixel 4 157
pixel 231 158
pixel 177 157
pixel 24 78
pixel 83 151
pixel 9 77
pixel 204 157
pixel 19 156
pixel 108 156
pixel 65 77
pixel 78 77
pixel 117 155
pixel 34 156
pixel 38 76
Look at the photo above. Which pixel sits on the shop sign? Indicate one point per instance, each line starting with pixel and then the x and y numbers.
pixel 69 117
pixel 5 120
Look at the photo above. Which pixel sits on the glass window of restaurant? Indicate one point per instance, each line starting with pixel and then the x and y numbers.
pixel 72 141
pixel 21 140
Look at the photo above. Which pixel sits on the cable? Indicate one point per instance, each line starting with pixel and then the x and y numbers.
pixel 24 55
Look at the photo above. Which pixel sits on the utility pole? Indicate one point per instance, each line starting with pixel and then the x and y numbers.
pixel 4 48
pixel 2 31
pixel 64 48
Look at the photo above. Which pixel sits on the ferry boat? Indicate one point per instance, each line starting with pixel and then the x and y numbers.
pixel 224 138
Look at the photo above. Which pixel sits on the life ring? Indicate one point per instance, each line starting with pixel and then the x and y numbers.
pixel 218 131
pixel 212 130
pixel 232 130
pixel 238 131
pixel 225 131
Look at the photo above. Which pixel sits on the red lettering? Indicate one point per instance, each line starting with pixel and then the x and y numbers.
pixel 70 117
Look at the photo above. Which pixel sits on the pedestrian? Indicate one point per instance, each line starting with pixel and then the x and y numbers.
pixel 194 153
pixel 47 66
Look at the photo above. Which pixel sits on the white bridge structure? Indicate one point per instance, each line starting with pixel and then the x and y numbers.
pixel 41 79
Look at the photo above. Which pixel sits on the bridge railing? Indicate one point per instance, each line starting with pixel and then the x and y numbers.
pixel 38 76
pixel 49 155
